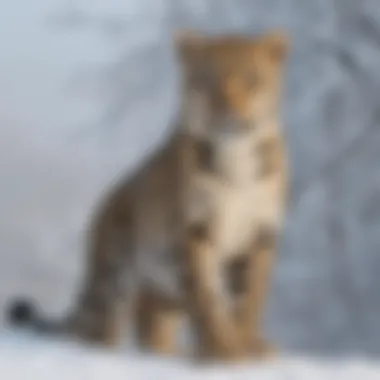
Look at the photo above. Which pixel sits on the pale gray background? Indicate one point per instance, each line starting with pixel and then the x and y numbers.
pixel 88 87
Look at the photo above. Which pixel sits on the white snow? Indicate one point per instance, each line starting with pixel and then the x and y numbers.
pixel 24 356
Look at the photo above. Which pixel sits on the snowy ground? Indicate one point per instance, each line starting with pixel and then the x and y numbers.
pixel 26 357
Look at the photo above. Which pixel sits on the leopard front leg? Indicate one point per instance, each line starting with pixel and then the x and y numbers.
pixel 215 327
pixel 256 280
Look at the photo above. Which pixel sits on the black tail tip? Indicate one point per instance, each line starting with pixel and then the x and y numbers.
pixel 21 312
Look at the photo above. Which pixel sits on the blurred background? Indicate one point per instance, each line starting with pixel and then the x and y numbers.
pixel 88 88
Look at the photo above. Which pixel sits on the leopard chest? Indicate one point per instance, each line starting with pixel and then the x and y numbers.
pixel 232 212
pixel 234 218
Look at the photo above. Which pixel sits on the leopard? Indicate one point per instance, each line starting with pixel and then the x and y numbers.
pixel 192 233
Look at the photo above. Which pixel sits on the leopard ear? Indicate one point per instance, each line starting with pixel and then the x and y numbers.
pixel 188 45
pixel 276 44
